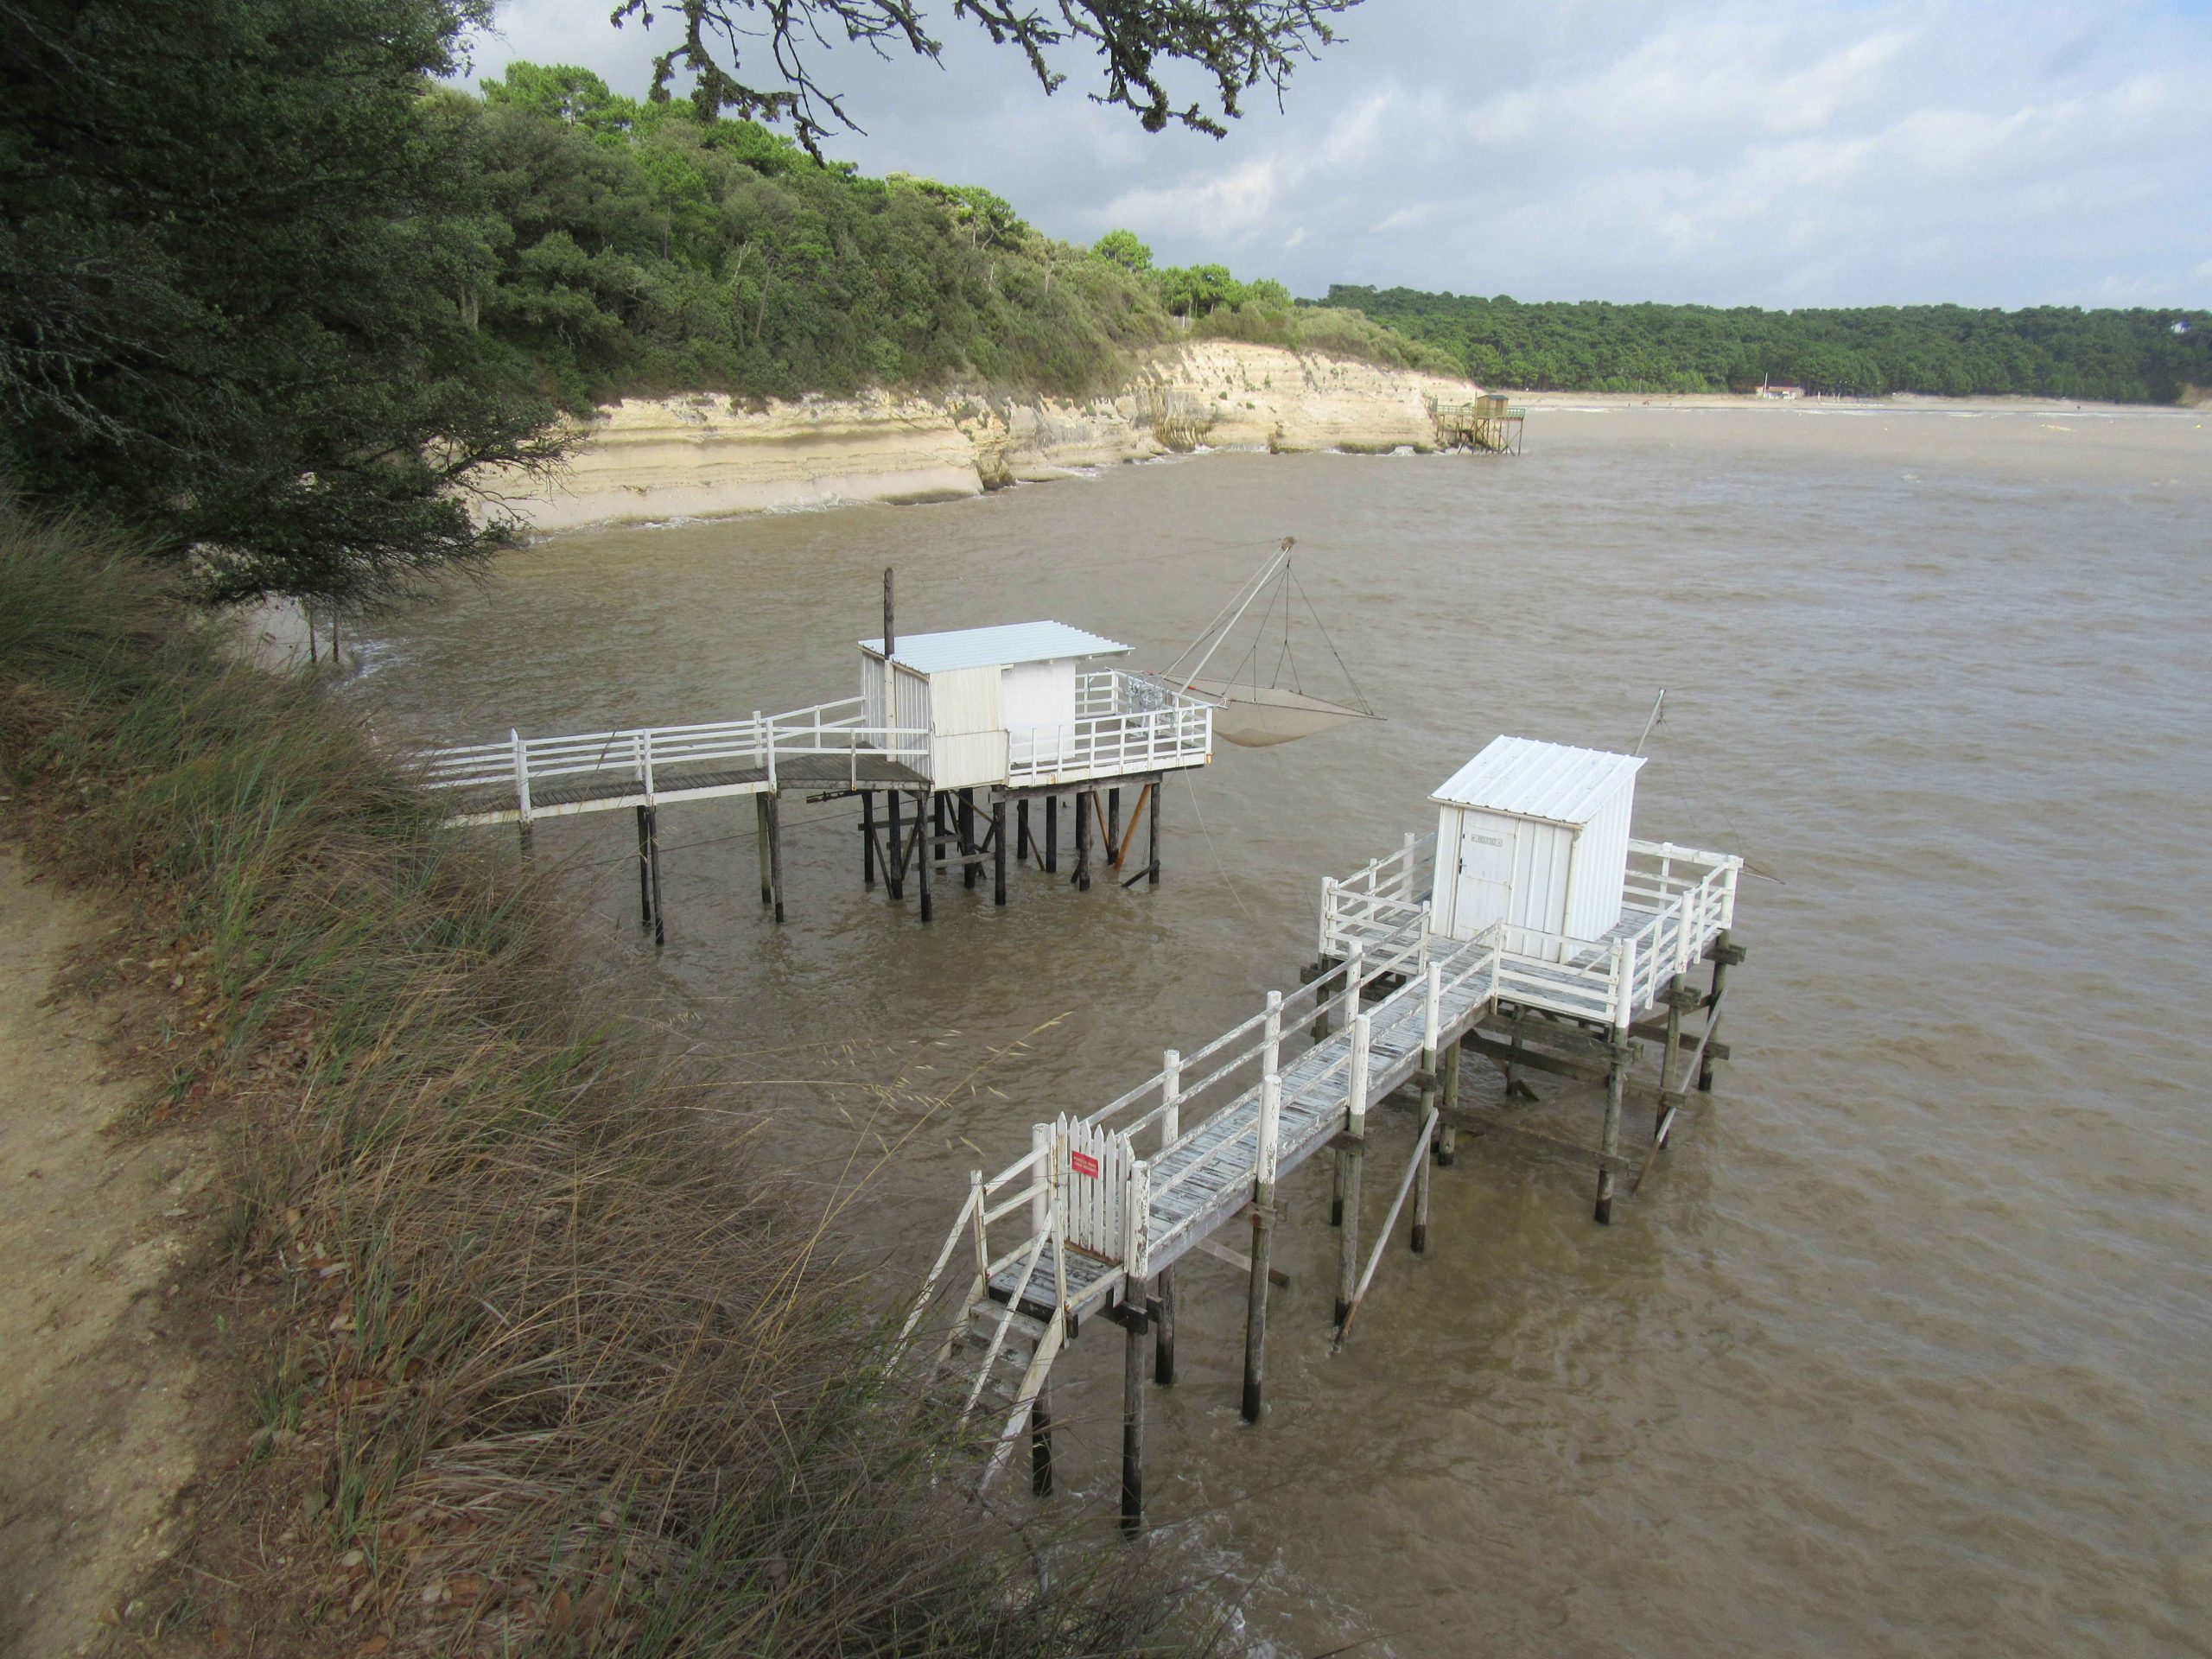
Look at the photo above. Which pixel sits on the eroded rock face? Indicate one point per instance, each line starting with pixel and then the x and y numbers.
pixel 705 455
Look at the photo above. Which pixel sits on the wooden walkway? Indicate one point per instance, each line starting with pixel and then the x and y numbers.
pixel 1087 1225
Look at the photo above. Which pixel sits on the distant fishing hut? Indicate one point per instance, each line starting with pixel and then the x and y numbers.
pixel 1487 424
pixel 1025 712
pixel 948 730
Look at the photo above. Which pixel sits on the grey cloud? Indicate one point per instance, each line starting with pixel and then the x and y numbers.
pixel 1827 152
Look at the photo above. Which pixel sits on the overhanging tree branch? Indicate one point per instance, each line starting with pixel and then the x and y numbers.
pixel 1237 44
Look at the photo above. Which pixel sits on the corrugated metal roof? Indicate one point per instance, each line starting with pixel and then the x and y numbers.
pixel 1529 779
pixel 1012 642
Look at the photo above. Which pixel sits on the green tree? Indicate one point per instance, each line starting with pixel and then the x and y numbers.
pixel 1124 249
pixel 239 265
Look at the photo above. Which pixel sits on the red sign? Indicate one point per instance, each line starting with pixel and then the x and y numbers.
pixel 1083 1164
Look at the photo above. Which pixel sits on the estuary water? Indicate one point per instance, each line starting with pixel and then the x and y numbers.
pixel 1904 1347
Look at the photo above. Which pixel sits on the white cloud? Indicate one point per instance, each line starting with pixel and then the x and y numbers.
pixel 1831 151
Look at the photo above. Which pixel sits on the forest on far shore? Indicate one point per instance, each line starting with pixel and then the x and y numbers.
pixel 2126 357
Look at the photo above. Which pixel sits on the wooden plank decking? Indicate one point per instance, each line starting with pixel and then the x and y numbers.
pixel 602 792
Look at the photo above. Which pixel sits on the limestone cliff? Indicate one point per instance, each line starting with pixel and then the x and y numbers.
pixel 699 455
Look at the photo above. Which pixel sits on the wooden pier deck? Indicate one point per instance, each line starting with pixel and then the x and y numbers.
pixel 1085 1225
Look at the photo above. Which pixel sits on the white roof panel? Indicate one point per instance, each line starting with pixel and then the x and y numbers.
pixel 1525 778
pixel 1012 642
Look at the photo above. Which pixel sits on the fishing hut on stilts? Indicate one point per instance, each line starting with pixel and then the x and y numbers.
pixel 1488 425
pixel 951 733
pixel 1529 929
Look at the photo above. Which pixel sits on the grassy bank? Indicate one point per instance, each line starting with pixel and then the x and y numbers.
pixel 522 1361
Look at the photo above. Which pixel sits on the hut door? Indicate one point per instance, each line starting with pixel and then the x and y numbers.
pixel 1484 893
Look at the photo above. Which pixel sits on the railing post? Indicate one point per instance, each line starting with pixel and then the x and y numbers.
pixel 982 1241
pixel 1271 1055
pixel 1044 1177
pixel 760 741
pixel 1171 1130
pixel 1328 911
pixel 1355 971
pixel 1406 873
pixel 1170 1110
pixel 522 775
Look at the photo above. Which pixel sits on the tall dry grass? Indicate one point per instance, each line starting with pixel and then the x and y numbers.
pixel 524 1364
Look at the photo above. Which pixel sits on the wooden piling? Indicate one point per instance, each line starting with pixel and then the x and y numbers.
pixel 1171 1129
pixel 867 841
pixel 921 860
pixel 1428 1097
pixel 1721 954
pixel 760 846
pixel 775 852
pixel 1051 835
pixel 894 860
pixel 967 838
pixel 1678 995
pixel 1264 1210
pixel 1022 830
pixel 1448 1138
pixel 940 826
pixel 1353 1157
pixel 1040 1443
pixel 1084 808
pixel 998 852
pixel 652 868
pixel 1114 821
pixel 1609 1143
pixel 1152 874
pixel 645 873
pixel 1133 1407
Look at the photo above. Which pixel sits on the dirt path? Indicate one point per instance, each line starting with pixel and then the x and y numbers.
pixel 96 1398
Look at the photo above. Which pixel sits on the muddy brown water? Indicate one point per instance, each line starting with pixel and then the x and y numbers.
pixel 1904 1347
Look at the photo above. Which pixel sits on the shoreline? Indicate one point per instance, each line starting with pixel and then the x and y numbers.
pixel 708 455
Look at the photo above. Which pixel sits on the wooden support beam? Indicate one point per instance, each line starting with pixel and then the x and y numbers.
pixel 998 853
pixel 1263 1220
pixel 645 873
pixel 1133 1410
pixel 1609 1143
pixel 1163 1335
pixel 652 868
pixel 1487 1124
pixel 922 864
pixel 1051 835
pixel 1241 1262
pixel 1021 830
pixel 775 850
pixel 1121 845
pixel 1113 822
pixel 1040 1443
pixel 1447 1136
pixel 1151 870
pixel 1085 806
pixel 895 863
pixel 760 845
pixel 867 841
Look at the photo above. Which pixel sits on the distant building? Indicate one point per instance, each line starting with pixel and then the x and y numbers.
pixel 1769 390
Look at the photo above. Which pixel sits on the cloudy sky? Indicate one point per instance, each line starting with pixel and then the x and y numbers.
pixel 1795 152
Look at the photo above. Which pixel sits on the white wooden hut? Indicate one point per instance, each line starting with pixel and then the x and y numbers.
pixel 1535 835
pixel 1013 704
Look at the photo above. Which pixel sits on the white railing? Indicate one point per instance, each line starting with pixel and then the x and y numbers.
pixel 660 759
pixel 1083 1181
pixel 1676 900
pixel 1124 723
